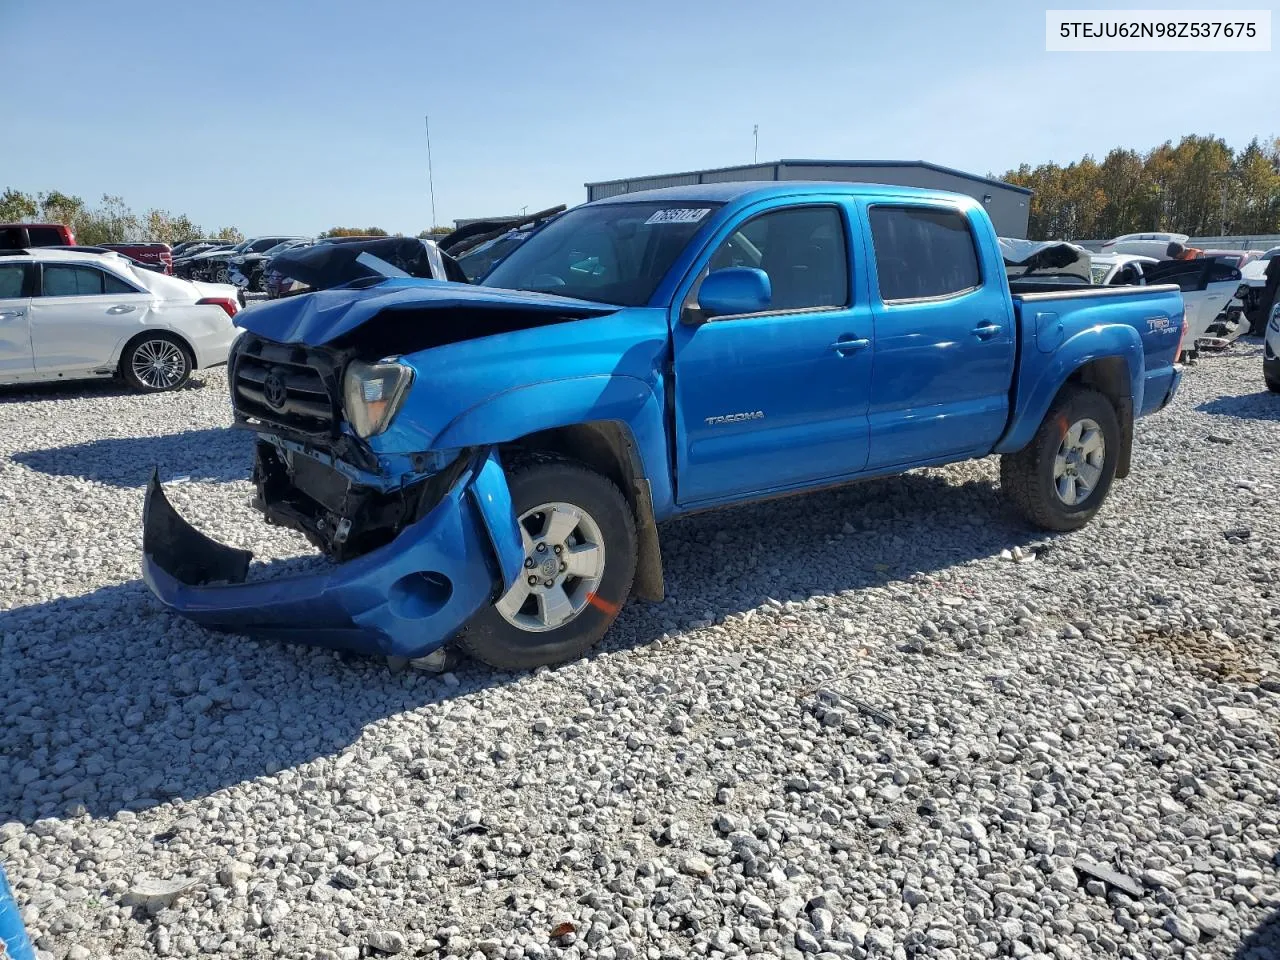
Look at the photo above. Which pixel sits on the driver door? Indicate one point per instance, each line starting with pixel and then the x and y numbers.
pixel 775 399
pixel 15 319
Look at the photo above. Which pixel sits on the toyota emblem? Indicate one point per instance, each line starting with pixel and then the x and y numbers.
pixel 273 391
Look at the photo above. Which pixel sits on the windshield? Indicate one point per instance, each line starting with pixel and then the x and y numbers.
pixel 614 253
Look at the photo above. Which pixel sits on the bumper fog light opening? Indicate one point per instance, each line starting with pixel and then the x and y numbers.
pixel 420 595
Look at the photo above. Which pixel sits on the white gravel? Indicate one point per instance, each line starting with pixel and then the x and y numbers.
pixel 856 729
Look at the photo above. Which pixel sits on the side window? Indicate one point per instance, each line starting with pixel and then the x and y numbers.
pixel 11 277
pixel 1189 275
pixel 1223 270
pixel 72 281
pixel 13 238
pixel 803 251
pixel 923 253
pixel 113 284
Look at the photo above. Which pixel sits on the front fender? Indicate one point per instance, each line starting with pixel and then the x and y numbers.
pixel 1037 389
pixel 517 413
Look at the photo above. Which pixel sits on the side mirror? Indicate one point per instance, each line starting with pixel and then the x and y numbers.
pixel 735 290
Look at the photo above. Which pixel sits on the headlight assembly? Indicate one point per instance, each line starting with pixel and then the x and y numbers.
pixel 372 394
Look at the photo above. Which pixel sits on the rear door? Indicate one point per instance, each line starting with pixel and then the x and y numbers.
pixel 944 335
pixel 768 400
pixel 15 319
pixel 1203 301
pixel 80 314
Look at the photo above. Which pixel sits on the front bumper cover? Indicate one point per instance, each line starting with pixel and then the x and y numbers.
pixel 404 599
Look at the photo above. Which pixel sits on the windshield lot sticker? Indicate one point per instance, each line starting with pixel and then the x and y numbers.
pixel 682 215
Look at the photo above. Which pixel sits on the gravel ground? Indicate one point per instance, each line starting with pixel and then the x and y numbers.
pixel 860 726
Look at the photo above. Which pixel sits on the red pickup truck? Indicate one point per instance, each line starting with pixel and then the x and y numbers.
pixel 22 236
pixel 154 256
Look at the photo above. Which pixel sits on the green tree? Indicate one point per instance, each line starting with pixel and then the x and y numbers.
pixel 112 222
pixel 355 232
pixel 17 207
pixel 57 207
pixel 229 234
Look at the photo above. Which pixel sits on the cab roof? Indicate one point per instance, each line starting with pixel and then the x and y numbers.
pixel 763 189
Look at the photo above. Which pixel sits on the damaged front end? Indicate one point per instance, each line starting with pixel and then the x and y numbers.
pixel 404 598
pixel 420 538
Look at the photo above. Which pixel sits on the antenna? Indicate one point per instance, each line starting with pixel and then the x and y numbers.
pixel 755 134
pixel 430 179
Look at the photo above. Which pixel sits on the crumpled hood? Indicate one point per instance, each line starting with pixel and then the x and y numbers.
pixel 317 318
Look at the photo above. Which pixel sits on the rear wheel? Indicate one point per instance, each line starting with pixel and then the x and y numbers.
pixel 1060 479
pixel 155 362
pixel 580 559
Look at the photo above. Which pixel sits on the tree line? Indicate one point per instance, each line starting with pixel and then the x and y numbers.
pixel 112 221
pixel 1200 187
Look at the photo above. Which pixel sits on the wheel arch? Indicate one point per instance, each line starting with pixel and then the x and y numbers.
pixel 128 342
pixel 1109 359
pixel 609 447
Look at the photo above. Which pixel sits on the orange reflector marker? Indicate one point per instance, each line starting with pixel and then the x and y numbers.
pixel 604 606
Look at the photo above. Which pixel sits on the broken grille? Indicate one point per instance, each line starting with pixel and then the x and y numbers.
pixel 287 386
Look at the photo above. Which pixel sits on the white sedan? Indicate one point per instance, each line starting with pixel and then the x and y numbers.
pixel 71 315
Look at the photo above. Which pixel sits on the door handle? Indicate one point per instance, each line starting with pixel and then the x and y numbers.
pixel 986 330
pixel 12 314
pixel 120 308
pixel 847 345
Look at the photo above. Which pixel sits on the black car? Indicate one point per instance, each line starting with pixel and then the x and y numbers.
pixel 478 247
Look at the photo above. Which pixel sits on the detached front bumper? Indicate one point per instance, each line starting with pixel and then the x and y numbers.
pixel 404 599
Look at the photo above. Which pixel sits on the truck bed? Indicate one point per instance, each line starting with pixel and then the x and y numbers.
pixel 1076 324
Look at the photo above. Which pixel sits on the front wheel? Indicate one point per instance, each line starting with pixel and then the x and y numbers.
pixel 580 559
pixel 1060 479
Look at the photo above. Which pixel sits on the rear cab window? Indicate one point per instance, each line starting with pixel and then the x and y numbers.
pixel 923 253
pixel 46 236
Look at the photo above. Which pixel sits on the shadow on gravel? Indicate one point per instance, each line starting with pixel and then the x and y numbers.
pixel 1263 405
pixel 69 390
pixel 112 703
pixel 219 454
pixel 1264 942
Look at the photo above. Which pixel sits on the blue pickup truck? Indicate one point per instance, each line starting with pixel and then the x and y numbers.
pixel 488 465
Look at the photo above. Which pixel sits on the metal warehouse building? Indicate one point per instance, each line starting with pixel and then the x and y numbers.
pixel 1007 205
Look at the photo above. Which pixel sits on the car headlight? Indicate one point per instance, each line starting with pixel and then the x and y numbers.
pixel 1275 319
pixel 372 394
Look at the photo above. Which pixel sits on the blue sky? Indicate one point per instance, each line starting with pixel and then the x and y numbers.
pixel 296 116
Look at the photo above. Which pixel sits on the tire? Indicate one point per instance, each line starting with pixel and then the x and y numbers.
pixel 155 362
pixel 514 633
pixel 1030 478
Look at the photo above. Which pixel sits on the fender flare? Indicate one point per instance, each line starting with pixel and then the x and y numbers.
pixel 631 404
pixel 1104 342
